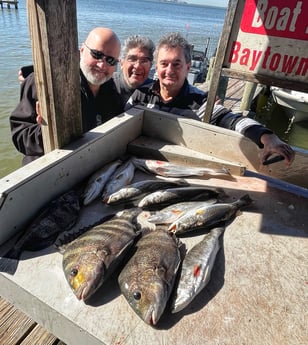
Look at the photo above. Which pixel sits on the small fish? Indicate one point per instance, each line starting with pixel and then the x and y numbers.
pixel 147 280
pixel 58 216
pixel 98 180
pixel 170 213
pixel 123 176
pixel 168 169
pixel 196 270
pixel 173 195
pixel 137 189
pixel 90 259
pixel 208 215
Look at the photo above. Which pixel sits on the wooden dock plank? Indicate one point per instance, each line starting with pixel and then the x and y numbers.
pixel 39 336
pixel 16 328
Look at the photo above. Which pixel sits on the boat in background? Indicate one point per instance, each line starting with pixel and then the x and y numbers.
pixel 199 67
pixel 295 103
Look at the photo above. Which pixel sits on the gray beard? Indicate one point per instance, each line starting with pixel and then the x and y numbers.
pixel 91 77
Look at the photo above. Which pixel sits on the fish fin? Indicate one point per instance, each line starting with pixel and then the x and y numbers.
pixel 246 198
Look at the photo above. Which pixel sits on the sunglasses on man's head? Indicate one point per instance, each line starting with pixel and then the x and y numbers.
pixel 98 55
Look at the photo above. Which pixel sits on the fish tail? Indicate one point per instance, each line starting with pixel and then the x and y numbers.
pixel 9 262
pixel 246 199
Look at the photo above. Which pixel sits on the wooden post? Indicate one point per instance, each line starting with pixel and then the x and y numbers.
pixel 249 91
pixel 219 58
pixel 54 39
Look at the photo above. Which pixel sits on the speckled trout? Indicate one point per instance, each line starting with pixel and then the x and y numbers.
pixel 208 215
pixel 196 270
pixel 138 189
pixel 168 169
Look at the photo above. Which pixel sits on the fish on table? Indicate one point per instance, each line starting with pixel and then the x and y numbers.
pixel 56 217
pixel 90 259
pixel 168 169
pixel 173 195
pixel 172 212
pixel 196 270
pixel 208 215
pixel 98 180
pixel 122 176
pixel 147 280
pixel 138 189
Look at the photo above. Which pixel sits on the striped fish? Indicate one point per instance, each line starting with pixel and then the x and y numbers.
pixel 93 256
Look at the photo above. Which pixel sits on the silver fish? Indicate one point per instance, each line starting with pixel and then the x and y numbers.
pixel 173 195
pixel 147 279
pixel 135 190
pixel 58 216
pixel 91 258
pixel 196 270
pixel 123 176
pixel 98 180
pixel 208 215
pixel 170 213
pixel 168 169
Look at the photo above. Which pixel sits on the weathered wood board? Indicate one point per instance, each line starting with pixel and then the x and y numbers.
pixel 258 288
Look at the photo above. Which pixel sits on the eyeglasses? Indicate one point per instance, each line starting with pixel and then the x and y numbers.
pixel 133 59
pixel 98 55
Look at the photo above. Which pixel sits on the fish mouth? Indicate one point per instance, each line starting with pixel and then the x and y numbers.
pixel 151 317
pixel 83 292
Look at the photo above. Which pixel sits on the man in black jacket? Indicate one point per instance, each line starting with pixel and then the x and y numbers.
pixel 100 100
pixel 172 93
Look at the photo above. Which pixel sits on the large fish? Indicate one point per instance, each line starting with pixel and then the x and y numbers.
pixel 98 180
pixel 123 176
pixel 167 169
pixel 208 215
pixel 93 256
pixel 170 213
pixel 147 279
pixel 58 216
pixel 196 270
pixel 173 195
pixel 137 189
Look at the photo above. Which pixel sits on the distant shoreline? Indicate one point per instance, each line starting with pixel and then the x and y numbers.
pixel 185 3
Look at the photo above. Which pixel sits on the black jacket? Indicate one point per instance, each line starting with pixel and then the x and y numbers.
pixel 27 134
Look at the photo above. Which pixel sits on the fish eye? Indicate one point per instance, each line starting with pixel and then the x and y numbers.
pixel 137 295
pixel 74 272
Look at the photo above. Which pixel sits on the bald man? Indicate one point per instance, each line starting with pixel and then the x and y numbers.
pixel 100 100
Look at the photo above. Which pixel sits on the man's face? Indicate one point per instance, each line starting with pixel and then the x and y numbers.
pixel 136 67
pixel 171 67
pixel 98 71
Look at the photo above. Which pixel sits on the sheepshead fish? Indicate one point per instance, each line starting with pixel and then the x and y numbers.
pixel 170 213
pixel 146 281
pixel 135 190
pixel 208 215
pixel 93 256
pixel 196 270
pixel 58 216
pixel 98 180
pixel 168 169
pixel 172 195
pixel 123 176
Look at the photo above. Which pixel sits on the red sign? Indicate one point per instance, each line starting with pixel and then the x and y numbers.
pixel 280 18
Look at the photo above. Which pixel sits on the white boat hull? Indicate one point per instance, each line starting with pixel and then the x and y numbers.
pixel 296 103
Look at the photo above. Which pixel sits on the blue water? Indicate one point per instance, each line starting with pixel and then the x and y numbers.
pixel 125 17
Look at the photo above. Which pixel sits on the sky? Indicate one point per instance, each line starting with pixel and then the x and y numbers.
pixel 222 3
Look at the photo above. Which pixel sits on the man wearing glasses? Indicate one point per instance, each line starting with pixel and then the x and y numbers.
pixel 100 101
pixel 136 62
